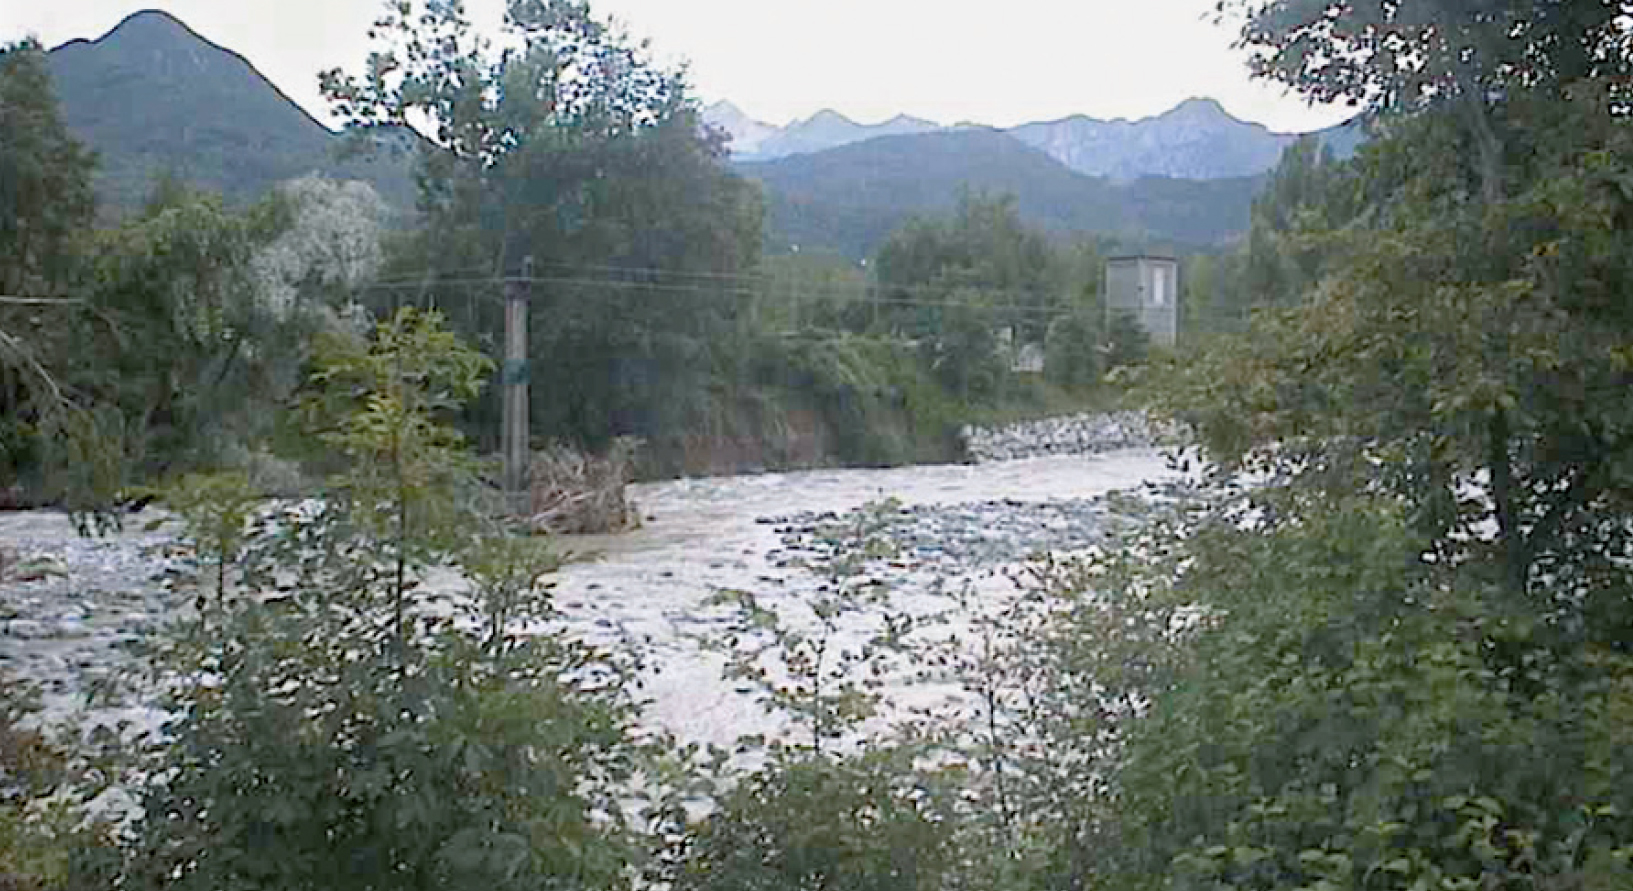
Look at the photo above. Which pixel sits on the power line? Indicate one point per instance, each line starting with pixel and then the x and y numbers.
pixel 863 293
pixel 703 291
pixel 40 301
pixel 741 278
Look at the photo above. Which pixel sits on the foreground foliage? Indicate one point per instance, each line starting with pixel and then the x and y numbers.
pixel 341 723
pixel 1411 664
pixel 1344 714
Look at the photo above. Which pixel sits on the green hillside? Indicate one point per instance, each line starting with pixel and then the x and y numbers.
pixel 848 199
pixel 152 96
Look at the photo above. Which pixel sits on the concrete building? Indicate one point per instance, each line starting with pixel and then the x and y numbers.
pixel 1147 288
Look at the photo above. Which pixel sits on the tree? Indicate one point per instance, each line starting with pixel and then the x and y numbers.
pixel 1072 349
pixel 177 330
pixel 46 201
pixel 1308 195
pixel 1456 333
pixel 330 242
pixel 953 283
pixel 1463 342
pixel 1127 341
pixel 1470 58
pixel 1402 657
pixel 572 148
pixel 813 289
pixel 1322 708
pixel 344 725
pixel 982 247
pixel 46 204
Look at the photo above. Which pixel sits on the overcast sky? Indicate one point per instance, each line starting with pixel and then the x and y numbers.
pixel 999 63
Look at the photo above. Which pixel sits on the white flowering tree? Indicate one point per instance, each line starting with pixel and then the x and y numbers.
pixel 330 246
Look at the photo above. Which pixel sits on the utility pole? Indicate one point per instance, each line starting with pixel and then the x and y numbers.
pixel 514 377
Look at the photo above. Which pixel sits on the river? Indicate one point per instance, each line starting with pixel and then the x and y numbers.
pixel 72 626
pixel 704 535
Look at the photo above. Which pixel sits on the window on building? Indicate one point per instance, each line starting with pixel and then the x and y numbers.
pixel 1159 286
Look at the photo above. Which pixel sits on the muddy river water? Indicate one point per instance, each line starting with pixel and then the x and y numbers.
pixel 704 535
pixel 71 624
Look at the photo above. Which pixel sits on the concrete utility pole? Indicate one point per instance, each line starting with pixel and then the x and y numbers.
pixel 514 377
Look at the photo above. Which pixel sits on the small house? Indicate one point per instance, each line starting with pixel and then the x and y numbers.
pixel 1146 287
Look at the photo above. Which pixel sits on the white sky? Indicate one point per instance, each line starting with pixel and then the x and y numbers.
pixel 947 60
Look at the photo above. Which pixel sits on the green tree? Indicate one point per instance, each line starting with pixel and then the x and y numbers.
pixel 813 289
pixel 46 201
pixel 1308 195
pixel 377 402
pixel 953 283
pixel 1458 331
pixel 1322 708
pixel 1127 341
pixel 1401 661
pixel 572 148
pixel 46 206
pixel 177 338
pixel 344 725
pixel 983 246
pixel 1072 349
pixel 1469 59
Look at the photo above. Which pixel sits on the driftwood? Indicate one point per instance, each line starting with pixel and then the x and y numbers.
pixel 578 494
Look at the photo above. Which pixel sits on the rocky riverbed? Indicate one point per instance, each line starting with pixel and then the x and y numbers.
pixel 74 611
pixel 1081 434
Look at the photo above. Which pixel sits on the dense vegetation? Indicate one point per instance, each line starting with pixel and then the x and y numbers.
pixel 1393 654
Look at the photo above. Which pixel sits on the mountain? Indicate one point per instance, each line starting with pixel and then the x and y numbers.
pixel 744 134
pixel 830 129
pixel 153 96
pixel 850 198
pixel 753 140
pixel 1196 139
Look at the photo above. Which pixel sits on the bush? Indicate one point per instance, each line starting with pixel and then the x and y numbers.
pixel 48 840
pixel 340 724
pixel 1340 713
pixel 1127 342
pixel 1071 351
pixel 867 822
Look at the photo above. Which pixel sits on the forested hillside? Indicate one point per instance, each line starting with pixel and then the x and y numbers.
pixel 152 97
pixel 848 199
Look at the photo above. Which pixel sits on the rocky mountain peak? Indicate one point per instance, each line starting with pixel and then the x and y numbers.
pixel 827 117
pixel 1201 108
pixel 147 29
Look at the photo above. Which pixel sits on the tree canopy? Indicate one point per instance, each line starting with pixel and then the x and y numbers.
pixel 45 177
pixel 1410 640
pixel 566 144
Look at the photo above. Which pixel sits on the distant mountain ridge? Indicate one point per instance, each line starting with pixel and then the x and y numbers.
pixel 848 199
pixel 1196 139
pixel 152 96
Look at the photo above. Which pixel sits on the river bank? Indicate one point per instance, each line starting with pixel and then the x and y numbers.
pixel 1086 433
pixel 75 621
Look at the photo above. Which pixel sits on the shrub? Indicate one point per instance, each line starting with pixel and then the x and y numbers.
pixel 342 725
